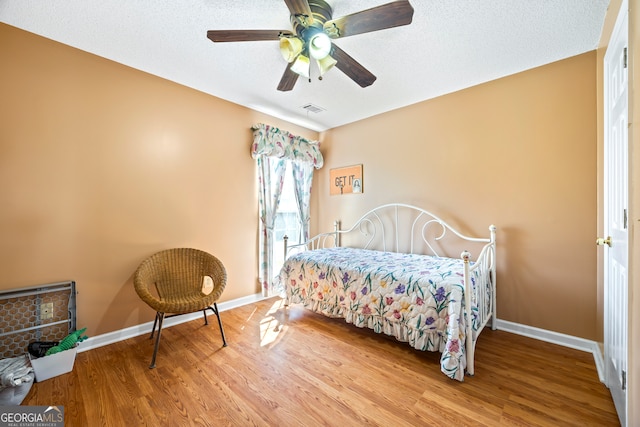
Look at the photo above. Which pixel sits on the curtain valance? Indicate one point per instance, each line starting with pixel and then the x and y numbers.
pixel 273 142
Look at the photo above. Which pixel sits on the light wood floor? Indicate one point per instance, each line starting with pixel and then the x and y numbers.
pixel 296 368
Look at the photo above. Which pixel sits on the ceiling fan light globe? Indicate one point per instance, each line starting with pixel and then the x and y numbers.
pixel 301 66
pixel 325 64
pixel 319 45
pixel 290 48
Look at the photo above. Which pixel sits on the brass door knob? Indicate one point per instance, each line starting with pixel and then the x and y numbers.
pixel 600 241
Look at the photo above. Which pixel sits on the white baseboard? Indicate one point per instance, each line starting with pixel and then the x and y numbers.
pixel 556 338
pixel 145 328
pixel 515 328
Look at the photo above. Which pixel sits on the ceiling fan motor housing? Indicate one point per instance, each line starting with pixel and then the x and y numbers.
pixel 304 27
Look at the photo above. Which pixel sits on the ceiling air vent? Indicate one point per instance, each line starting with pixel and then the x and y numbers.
pixel 312 108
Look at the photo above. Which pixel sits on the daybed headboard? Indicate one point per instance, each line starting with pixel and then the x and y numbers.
pixel 394 227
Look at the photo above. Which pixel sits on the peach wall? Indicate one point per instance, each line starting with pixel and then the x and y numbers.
pixel 102 165
pixel 519 152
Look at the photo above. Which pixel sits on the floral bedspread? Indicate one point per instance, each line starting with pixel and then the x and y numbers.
pixel 418 299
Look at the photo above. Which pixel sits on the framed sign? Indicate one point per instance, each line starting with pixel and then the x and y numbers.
pixel 347 180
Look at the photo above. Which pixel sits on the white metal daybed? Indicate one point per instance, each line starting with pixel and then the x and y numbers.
pixel 385 273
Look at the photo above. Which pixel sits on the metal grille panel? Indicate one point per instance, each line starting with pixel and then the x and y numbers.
pixel 39 313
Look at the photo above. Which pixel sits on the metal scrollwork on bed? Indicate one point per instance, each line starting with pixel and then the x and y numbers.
pixel 389 272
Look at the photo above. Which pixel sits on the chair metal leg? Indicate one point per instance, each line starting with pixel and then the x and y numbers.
pixel 215 310
pixel 206 321
pixel 159 318
pixel 155 322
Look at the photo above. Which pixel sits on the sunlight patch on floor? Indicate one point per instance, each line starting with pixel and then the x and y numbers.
pixel 249 318
pixel 271 330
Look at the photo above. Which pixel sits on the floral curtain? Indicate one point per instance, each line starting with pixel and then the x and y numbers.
pixel 270 178
pixel 273 142
pixel 303 177
pixel 272 148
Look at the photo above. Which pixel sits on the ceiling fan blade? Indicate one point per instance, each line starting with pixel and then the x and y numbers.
pixel 246 35
pixel 300 7
pixel 288 80
pixel 388 15
pixel 352 68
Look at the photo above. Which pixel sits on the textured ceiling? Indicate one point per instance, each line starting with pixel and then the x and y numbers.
pixel 450 45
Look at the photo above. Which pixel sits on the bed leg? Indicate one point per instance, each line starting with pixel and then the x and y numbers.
pixel 470 346
pixel 494 311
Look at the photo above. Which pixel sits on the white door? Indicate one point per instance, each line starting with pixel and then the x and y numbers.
pixel 615 213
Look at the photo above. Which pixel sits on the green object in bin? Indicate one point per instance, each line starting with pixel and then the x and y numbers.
pixel 68 342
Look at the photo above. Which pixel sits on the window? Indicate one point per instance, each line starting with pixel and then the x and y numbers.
pixel 273 149
pixel 287 221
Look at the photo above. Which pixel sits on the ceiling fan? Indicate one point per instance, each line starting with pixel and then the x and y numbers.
pixel 313 29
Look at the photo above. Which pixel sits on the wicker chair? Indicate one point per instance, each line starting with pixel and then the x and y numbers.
pixel 180 278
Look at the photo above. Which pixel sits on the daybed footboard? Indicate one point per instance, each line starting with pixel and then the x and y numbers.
pixel 432 302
